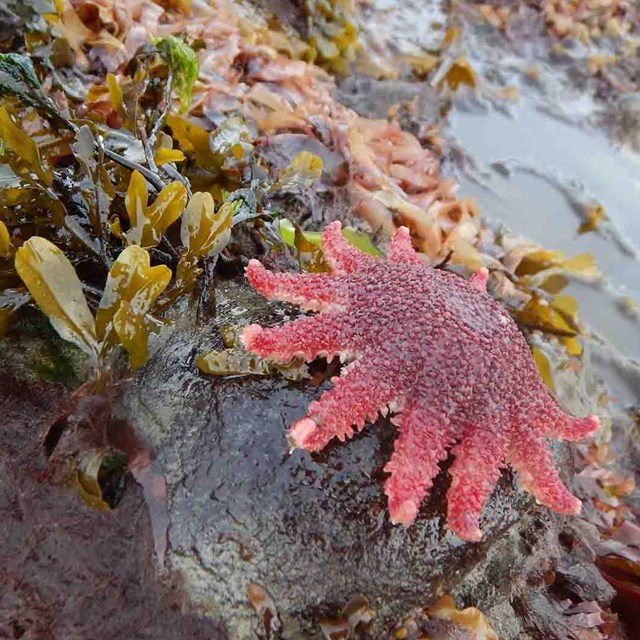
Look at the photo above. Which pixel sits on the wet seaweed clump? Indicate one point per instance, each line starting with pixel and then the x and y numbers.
pixel 332 31
pixel 100 225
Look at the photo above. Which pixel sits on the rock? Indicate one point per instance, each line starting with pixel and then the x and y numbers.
pixel 505 622
pixel 279 150
pixel 312 530
pixel 541 617
pixel 583 581
pixel 373 98
pixel 244 516
pixel 329 199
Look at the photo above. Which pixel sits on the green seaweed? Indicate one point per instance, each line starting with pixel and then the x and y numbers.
pixel 183 63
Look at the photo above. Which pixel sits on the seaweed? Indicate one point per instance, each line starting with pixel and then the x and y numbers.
pixel 92 193
pixel 332 33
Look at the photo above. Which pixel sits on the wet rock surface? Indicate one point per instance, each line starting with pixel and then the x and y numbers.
pixel 374 98
pixel 243 514
pixel 313 530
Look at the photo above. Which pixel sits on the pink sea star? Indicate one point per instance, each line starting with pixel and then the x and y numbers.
pixel 437 351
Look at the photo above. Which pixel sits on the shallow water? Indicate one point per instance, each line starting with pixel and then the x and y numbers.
pixel 534 173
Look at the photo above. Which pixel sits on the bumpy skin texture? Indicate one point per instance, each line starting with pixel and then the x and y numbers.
pixel 437 351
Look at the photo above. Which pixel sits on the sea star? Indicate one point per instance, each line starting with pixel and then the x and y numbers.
pixel 438 352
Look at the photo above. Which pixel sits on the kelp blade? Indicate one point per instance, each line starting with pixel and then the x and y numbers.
pixel 132 287
pixel 54 285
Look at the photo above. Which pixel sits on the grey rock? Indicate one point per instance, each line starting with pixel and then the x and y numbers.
pixel 313 530
pixel 583 581
pixel 373 98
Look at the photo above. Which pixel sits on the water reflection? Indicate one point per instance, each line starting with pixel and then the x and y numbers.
pixel 535 173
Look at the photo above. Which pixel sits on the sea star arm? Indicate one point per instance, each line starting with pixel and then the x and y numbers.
pixel 531 458
pixel 474 473
pixel 341 256
pixel 479 279
pixel 422 443
pixel 356 397
pixel 551 421
pixel 308 337
pixel 311 291
pixel 401 249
